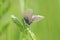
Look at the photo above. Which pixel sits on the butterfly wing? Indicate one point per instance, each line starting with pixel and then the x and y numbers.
pixel 29 14
pixel 37 18
pixel 24 14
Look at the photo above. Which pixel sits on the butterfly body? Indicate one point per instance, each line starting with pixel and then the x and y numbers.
pixel 27 21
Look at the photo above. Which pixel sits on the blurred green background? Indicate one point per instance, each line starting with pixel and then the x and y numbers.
pixel 47 29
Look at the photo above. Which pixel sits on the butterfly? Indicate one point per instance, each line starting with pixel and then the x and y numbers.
pixel 29 17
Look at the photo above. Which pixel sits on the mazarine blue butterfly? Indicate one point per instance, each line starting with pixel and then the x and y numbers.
pixel 29 17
